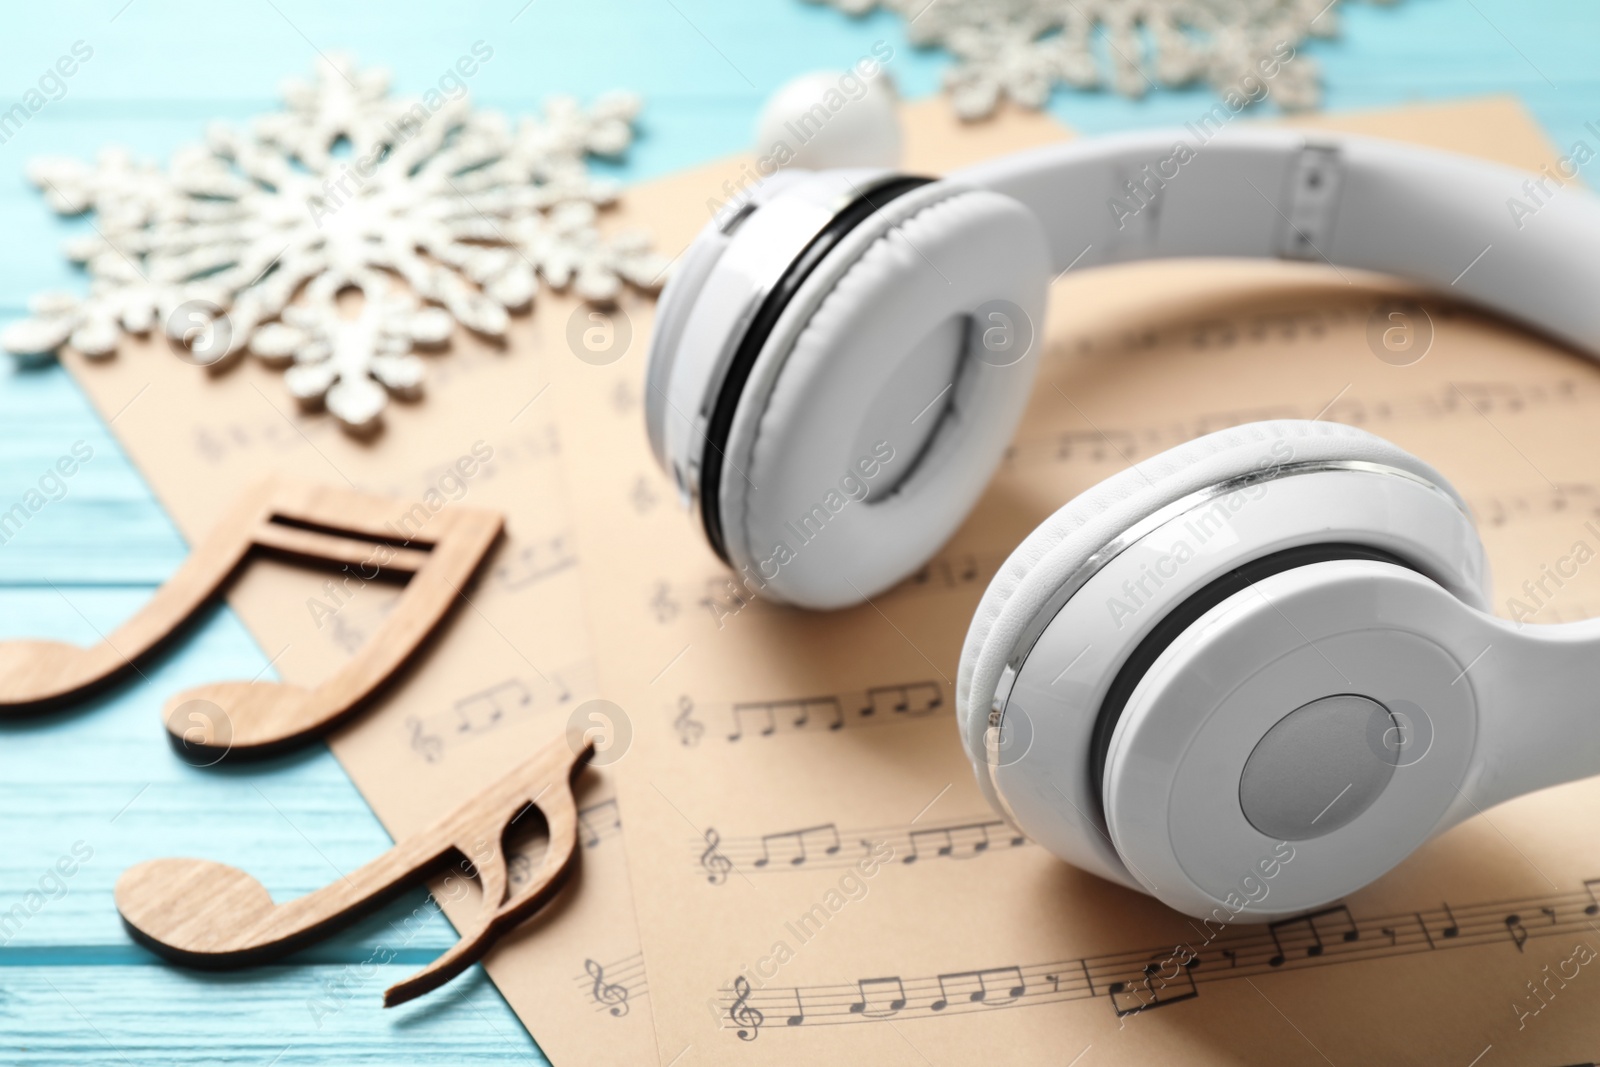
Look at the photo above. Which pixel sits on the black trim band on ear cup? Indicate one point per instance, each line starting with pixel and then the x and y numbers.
pixel 755 337
pixel 1189 611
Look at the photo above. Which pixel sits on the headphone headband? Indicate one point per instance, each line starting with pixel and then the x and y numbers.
pixel 1520 244
pixel 1227 691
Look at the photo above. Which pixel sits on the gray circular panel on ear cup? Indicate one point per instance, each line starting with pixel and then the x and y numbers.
pixel 1316 769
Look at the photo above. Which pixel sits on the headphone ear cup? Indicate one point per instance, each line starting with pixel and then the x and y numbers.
pixel 885 397
pixel 1097 516
pixel 1048 560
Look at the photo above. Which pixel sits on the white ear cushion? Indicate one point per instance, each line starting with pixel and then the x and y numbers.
pixel 1091 520
pixel 799 439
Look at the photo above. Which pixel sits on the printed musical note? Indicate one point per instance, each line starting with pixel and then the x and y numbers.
pixel 950 572
pixel 689 729
pixel 1437 403
pixel 663 605
pixel 1288 930
pixel 607 994
pixel 918 698
pixel 760 709
pixel 1565 500
pixel 799 1015
pixel 746 1018
pixel 483 710
pixel 1008 978
pixel 1518 932
pixel 969 840
pixel 830 712
pixel 1172 975
pixel 876 1001
pixel 797 841
pixel 1155 988
pixel 715 863
pixel 724 598
pixel 1593 906
pixel 598 821
pixel 831 715
pixel 824 712
pixel 346 635
pixel 819 846
pixel 791 714
pixel 623 398
pixel 487 709
pixel 532 563
pixel 1213 333
pixel 643 497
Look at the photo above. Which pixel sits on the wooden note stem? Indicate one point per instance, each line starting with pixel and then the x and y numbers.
pixel 208 914
pixel 366 535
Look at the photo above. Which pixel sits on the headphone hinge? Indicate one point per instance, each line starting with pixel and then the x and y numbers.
pixel 1311 203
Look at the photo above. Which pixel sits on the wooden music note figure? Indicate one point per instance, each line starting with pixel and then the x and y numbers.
pixel 211 915
pixel 367 535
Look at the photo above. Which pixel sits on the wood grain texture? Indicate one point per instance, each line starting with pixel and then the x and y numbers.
pixel 212 915
pixel 72 989
pixel 307 523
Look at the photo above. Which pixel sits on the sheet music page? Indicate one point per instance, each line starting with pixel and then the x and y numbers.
pixel 818 879
pixel 503 675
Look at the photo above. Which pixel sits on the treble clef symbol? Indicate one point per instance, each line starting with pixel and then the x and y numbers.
pixel 715 863
pixel 689 729
pixel 745 1016
pixel 427 745
pixel 607 994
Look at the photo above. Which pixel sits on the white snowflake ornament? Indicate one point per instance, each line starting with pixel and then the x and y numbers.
pixel 1022 49
pixel 436 214
pixel 351 365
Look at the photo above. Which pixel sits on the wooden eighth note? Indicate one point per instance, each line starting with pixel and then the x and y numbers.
pixel 208 914
pixel 367 535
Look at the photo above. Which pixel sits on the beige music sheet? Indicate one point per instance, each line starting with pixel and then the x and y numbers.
pixel 816 876
pixel 502 677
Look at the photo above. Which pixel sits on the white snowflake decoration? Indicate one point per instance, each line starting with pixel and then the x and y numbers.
pixel 244 243
pixel 1022 48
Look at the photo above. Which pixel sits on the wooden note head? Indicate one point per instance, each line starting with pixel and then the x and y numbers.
pixel 35 675
pixel 212 913
pixel 209 914
pixel 254 718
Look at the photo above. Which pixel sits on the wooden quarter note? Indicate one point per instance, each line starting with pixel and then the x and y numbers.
pixel 366 535
pixel 209 914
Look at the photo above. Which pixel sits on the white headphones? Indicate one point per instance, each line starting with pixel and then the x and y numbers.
pixel 1248 676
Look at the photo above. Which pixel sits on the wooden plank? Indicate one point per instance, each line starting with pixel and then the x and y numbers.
pixel 138 1014
pixel 160 72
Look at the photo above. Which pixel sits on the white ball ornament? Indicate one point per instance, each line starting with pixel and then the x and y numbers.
pixel 831 119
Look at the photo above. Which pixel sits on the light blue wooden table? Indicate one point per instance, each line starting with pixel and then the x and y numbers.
pixel 100 778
